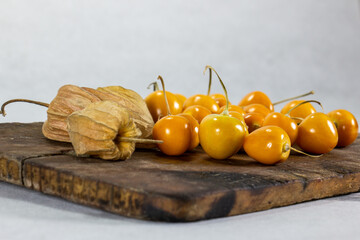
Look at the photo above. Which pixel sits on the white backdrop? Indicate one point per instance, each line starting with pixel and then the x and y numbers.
pixel 280 47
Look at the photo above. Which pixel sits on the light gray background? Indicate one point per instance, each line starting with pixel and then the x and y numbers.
pixel 25 214
pixel 278 46
pixel 281 47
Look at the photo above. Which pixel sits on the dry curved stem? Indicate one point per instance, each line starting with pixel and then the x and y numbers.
pixel 139 140
pixel 309 155
pixel 292 98
pixel 226 110
pixel 166 101
pixel 295 118
pixel 2 111
pixel 155 86
pixel 302 103
pixel 210 80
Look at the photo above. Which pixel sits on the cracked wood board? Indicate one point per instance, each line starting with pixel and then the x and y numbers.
pixel 19 142
pixel 187 188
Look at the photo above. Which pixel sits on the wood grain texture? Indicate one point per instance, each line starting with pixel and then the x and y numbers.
pixel 186 188
pixel 19 142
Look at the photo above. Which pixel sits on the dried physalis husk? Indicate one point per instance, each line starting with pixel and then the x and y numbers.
pixel 98 129
pixel 69 99
pixel 72 98
pixel 130 100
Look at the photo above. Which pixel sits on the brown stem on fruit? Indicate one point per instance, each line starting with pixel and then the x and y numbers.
pixel 286 148
pixel 295 118
pixel 21 100
pixel 155 86
pixel 292 98
pixel 309 155
pixel 254 127
pixel 226 110
pixel 302 103
pixel 166 101
pixel 210 80
pixel 138 140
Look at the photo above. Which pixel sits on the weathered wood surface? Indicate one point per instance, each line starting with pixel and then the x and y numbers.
pixel 187 188
pixel 19 142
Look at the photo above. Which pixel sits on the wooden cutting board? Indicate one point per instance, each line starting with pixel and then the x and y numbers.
pixel 186 188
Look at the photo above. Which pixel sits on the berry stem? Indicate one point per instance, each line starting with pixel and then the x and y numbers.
pixel 295 118
pixel 21 100
pixel 138 140
pixel 292 98
pixel 155 86
pixel 286 148
pixel 166 101
pixel 298 105
pixel 299 151
pixel 210 80
pixel 226 110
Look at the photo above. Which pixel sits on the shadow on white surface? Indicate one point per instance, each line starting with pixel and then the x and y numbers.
pixel 29 197
pixel 42 216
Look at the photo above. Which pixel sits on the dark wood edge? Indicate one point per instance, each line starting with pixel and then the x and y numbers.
pixel 151 206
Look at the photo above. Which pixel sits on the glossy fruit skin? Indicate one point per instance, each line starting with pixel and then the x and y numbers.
pixel 257 97
pixel 155 102
pixel 219 98
pixel 286 123
pixel 198 112
pixel 268 145
pixel 256 107
pixel 300 112
pixel 202 100
pixel 317 134
pixel 254 121
pixel 175 132
pixel 346 125
pixel 235 108
pixel 194 130
pixel 181 98
pixel 241 118
pixel 221 136
pixel 237 115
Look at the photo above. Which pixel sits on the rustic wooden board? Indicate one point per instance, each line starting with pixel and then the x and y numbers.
pixel 19 142
pixel 187 188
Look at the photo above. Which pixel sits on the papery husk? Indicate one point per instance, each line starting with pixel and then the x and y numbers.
pixel 72 98
pixel 69 99
pixel 96 131
pixel 130 100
